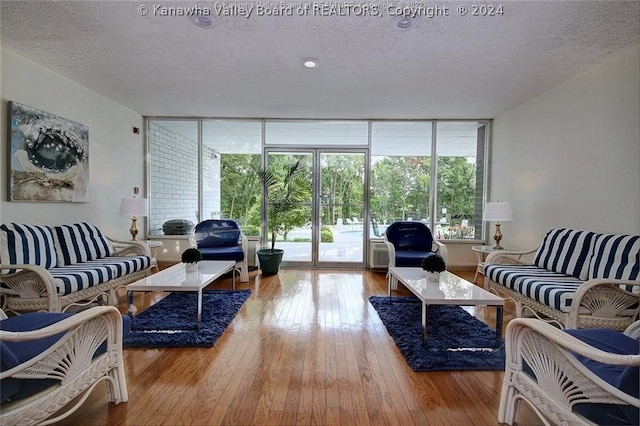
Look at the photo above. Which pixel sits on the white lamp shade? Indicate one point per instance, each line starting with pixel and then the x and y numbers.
pixel 498 212
pixel 134 207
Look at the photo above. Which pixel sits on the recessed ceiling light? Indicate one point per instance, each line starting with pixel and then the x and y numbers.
pixel 202 21
pixel 310 63
pixel 403 23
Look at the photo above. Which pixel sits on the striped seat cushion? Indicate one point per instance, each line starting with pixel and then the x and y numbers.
pixel 80 242
pixel 550 288
pixel 80 276
pixel 28 245
pixel 566 251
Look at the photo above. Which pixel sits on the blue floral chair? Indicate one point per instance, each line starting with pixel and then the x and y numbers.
pixel 222 239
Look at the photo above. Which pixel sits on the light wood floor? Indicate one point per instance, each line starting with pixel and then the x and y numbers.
pixel 306 348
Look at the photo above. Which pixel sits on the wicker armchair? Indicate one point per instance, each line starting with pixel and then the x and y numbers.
pixel 51 359
pixel 572 377
pixel 408 243
pixel 222 239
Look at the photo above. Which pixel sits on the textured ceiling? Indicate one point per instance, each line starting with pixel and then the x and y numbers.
pixel 444 67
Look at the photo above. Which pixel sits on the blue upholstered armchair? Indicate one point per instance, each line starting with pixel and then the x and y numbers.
pixel 222 239
pixel 410 242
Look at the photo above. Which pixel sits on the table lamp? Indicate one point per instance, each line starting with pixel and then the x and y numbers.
pixel 134 207
pixel 498 212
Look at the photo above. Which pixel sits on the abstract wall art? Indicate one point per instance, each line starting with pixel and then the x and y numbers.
pixel 49 157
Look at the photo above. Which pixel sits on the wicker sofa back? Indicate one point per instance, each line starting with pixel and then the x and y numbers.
pixel 50 268
pixel 578 278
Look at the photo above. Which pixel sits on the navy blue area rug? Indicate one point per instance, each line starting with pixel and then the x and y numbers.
pixel 456 340
pixel 177 312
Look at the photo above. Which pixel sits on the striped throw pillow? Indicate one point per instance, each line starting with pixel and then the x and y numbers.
pixel 80 242
pixel 28 245
pixel 566 251
pixel 616 256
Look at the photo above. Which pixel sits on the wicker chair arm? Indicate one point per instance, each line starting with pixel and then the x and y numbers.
pixel 633 330
pixel 440 248
pixel 130 248
pixel 603 297
pixel 504 257
pixel 391 249
pixel 244 243
pixel 527 339
pixel 109 312
pixel 563 340
pixel 108 316
pixel 31 281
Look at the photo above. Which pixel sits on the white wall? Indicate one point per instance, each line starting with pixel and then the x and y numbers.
pixel 173 178
pixel 571 157
pixel 116 155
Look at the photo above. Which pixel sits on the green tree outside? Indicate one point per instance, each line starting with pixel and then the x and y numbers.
pixel 399 189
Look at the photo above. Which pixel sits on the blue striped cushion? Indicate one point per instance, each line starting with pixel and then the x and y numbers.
pixel 93 272
pixel 550 288
pixel 616 256
pixel 80 242
pixel 566 251
pixel 27 244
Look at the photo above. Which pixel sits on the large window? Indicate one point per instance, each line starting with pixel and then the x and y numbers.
pixel 231 154
pixel 404 170
pixel 400 171
pixel 460 185
pixel 426 170
pixel 211 176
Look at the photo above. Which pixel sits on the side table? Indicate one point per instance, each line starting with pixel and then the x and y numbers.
pixel 154 246
pixel 482 252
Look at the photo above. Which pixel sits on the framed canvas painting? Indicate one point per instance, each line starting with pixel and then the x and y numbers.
pixel 49 157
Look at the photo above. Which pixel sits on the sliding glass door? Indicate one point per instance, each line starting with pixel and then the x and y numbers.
pixel 328 228
pixel 342 216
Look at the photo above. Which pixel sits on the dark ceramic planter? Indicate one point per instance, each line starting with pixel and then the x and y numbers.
pixel 270 260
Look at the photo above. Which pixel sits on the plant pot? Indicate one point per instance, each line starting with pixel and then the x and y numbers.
pixel 270 260
pixel 191 267
pixel 433 277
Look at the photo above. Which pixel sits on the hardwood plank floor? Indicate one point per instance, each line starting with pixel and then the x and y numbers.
pixel 306 348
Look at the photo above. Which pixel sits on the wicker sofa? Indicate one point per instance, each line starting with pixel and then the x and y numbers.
pixel 44 268
pixel 50 362
pixel 580 279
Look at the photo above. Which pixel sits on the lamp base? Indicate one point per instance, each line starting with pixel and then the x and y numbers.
pixel 497 237
pixel 134 228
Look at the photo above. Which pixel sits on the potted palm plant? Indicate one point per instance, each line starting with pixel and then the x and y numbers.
pixel 284 192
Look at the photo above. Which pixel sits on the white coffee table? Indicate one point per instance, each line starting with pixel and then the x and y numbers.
pixel 176 278
pixel 450 290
